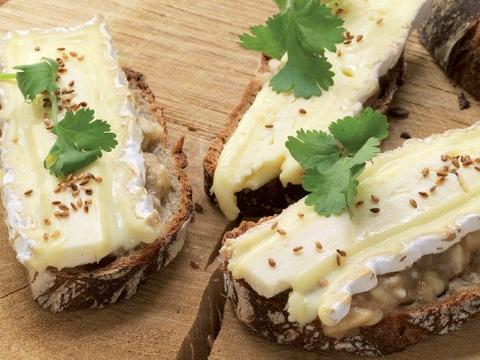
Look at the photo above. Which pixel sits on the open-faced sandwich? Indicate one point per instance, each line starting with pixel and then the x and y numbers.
pixel 402 261
pixel 94 200
pixel 323 60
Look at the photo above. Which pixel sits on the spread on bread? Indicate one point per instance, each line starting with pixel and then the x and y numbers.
pixel 103 209
pixel 420 199
pixel 256 154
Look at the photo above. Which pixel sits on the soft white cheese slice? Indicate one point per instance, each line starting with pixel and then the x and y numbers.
pixel 255 155
pixel 121 215
pixel 419 215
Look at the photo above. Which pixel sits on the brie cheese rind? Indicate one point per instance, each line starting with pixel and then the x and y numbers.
pixel 255 154
pixel 120 212
pixel 428 201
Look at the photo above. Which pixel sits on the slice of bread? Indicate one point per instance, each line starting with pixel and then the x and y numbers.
pixel 114 278
pixel 274 197
pixel 406 326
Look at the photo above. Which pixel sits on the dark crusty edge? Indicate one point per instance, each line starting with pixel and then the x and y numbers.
pixel 451 33
pixel 88 288
pixel 273 197
pixel 406 327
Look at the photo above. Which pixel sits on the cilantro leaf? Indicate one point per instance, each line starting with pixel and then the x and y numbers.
pixel 313 148
pixel 305 30
pixel 353 132
pixel 331 171
pixel 36 78
pixel 80 141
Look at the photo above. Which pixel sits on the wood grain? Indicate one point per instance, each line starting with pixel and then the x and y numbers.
pixel 188 51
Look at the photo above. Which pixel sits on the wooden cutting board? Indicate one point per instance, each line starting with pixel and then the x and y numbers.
pixel 189 54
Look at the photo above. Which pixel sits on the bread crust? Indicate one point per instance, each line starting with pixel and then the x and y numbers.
pixel 407 326
pixel 404 328
pixel 117 278
pixel 273 197
pixel 452 35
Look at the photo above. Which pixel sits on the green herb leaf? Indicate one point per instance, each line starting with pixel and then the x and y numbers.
pixel 80 141
pixel 353 132
pixel 313 149
pixel 36 78
pixel 331 170
pixel 305 30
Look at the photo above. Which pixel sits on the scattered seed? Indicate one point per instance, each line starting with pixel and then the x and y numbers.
pixel 45 236
pixel 84 182
pixel 440 181
pixel 477 168
pixel 423 194
pixel 281 232
pixel 76 193
pixel 61 49
pixel 433 188
pixel 47 221
pixel 302 111
pixel 359 203
pixel 375 210
pixel 81 57
pixel 405 135
pixel 339 260
pixel 272 262
pixel 79 202
pixel 456 163
pixel 28 192
pixel 468 163
pixel 56 234
pixel 73 54
pixel 463 102
pixel 342 253
pixel 198 208
pixel 319 245
pixel 297 249
pixel 85 208
pixel 89 201
pixel 444 157
pixel 274 225
pixel 339 53
pixel 63 207
pixel 56 202
pixel 451 237
pixel 300 215
pixel 398 112
pixel 413 203
pixel 380 21
pixel 359 38
pixel 36 48
pixel 98 179
pixel 88 191
pixel 425 172
pixel 402 259
pixel 57 189
pixel 269 126
pixel 322 282
pixel 442 174
pixel 71 84
pixel 375 199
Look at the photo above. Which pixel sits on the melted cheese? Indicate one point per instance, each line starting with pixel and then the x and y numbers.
pixel 375 243
pixel 121 215
pixel 255 155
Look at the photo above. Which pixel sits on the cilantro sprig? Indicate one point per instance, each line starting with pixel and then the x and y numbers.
pixel 305 30
pixel 333 162
pixel 80 137
pixel 80 141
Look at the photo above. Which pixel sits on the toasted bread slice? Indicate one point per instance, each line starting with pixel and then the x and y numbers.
pixel 369 282
pixel 273 197
pixel 119 277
